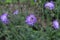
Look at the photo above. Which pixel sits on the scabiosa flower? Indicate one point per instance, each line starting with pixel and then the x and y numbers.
pixel 31 19
pixel 50 5
pixel 4 18
pixel 16 12
pixel 56 24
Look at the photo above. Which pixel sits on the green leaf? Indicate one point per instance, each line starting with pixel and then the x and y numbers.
pixel 32 2
pixel 23 1
pixel 8 1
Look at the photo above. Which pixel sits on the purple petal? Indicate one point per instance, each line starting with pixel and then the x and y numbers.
pixel 16 12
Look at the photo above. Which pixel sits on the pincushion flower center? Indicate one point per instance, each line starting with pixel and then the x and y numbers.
pixel 31 19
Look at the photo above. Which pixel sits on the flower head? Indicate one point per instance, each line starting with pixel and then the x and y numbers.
pixel 4 18
pixel 31 19
pixel 55 24
pixel 16 12
pixel 49 5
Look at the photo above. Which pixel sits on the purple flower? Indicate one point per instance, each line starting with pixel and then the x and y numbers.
pixel 31 19
pixel 35 0
pixel 56 24
pixel 16 12
pixel 49 5
pixel 4 18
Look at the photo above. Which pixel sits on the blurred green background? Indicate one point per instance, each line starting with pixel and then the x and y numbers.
pixel 17 29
